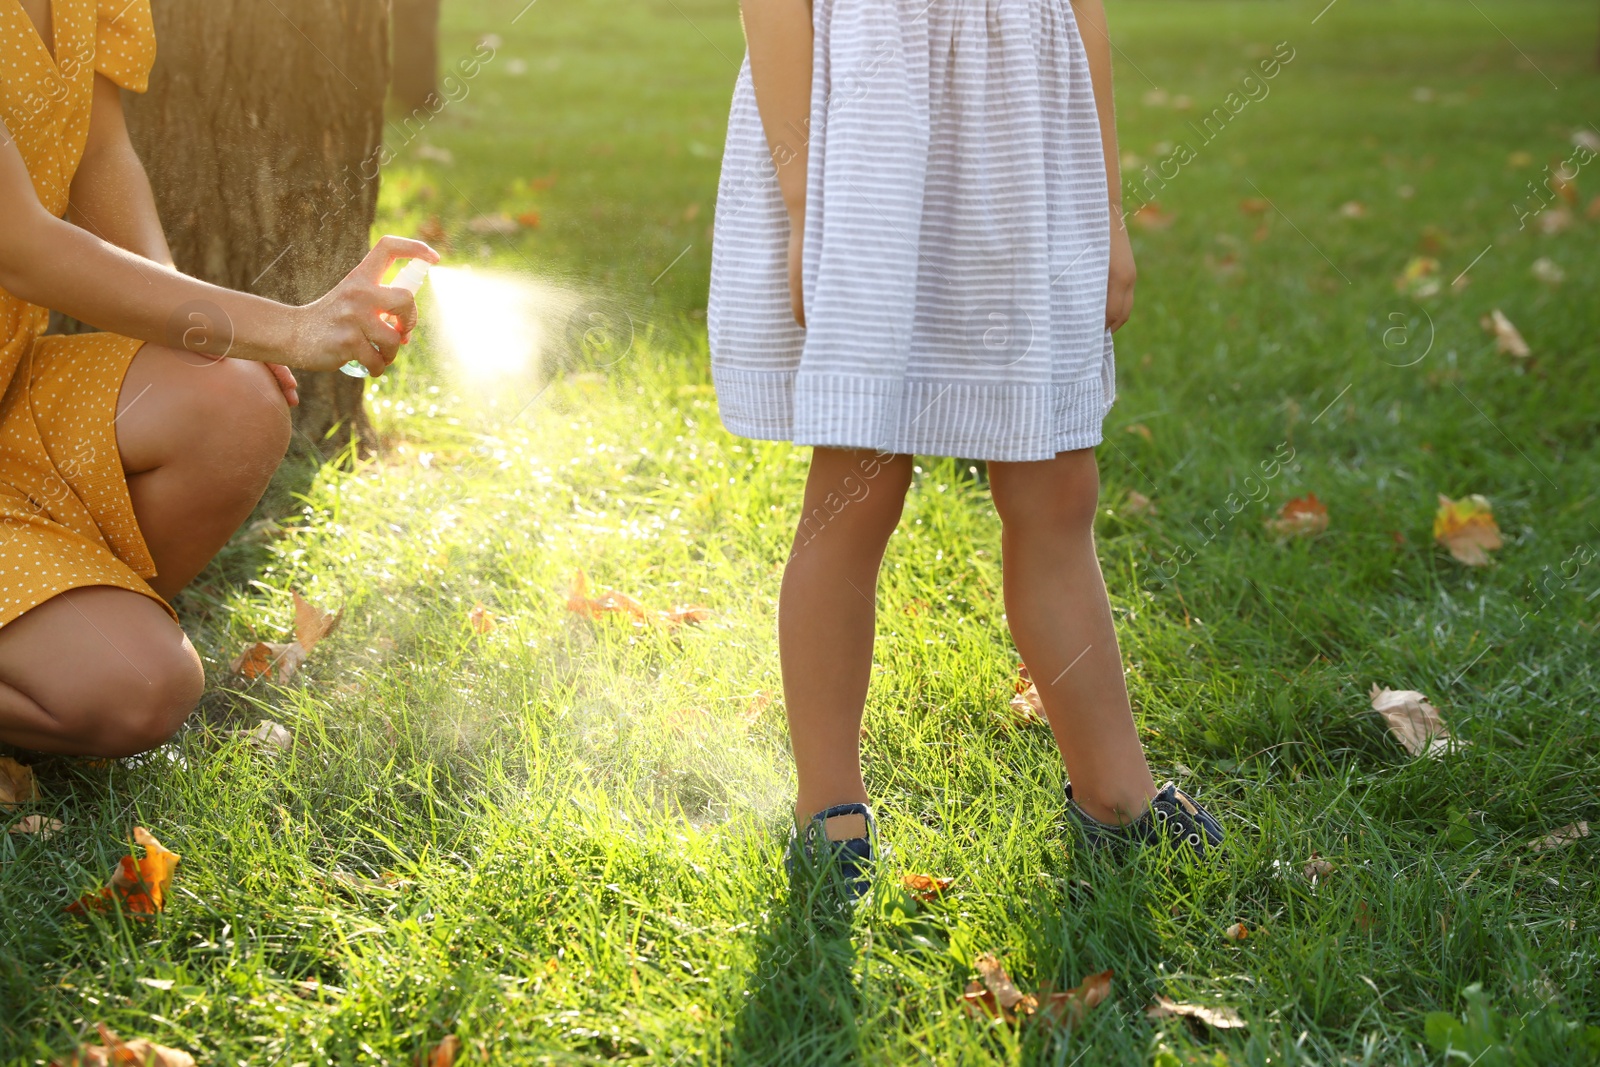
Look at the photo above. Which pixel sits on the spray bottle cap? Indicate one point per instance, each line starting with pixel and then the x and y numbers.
pixel 411 276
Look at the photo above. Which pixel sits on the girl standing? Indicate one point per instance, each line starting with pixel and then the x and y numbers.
pixel 919 248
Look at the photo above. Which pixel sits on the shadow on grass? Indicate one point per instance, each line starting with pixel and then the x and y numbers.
pixel 803 1000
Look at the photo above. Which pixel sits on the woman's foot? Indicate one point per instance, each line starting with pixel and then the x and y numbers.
pixel 1173 815
pixel 816 858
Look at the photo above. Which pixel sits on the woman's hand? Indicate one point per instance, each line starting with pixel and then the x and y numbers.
pixel 1122 275
pixel 286 381
pixel 345 324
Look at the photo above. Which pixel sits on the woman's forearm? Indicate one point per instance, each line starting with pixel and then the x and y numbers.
pixel 779 36
pixel 51 263
pixel 1091 16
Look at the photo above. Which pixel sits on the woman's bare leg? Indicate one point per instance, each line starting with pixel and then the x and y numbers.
pixel 1061 621
pixel 106 672
pixel 200 439
pixel 95 672
pixel 826 618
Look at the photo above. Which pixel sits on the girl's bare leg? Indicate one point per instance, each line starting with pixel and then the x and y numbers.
pixel 826 619
pixel 106 672
pixel 1061 621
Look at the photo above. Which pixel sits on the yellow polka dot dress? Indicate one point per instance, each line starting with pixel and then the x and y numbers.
pixel 66 520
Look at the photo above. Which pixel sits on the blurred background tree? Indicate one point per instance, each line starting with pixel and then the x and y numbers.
pixel 262 133
pixel 416 52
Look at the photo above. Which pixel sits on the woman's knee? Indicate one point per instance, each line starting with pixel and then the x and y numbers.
pixel 257 414
pixel 135 704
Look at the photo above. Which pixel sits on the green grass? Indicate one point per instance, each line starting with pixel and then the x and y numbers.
pixel 561 838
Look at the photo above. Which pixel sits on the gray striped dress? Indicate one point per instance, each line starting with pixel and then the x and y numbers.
pixel 956 245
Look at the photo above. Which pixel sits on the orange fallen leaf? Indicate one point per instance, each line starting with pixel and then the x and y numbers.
pixel 758 703
pixel 1507 338
pixel 1254 206
pixel 17 785
pixel 1236 932
pixel 37 824
pixel 481 619
pixel 433 231
pixel 1304 516
pixel 1414 722
pixel 1467 528
pixel 1139 428
pixel 1560 839
pixel 444 1053
pixel 115 1052
pixel 140 884
pixel 263 658
pixel 1218 1017
pixel 528 220
pixel 1364 918
pixel 1028 707
pixel 926 887
pixel 1069 1008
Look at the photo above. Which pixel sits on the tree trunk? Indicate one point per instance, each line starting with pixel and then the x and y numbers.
pixel 416 52
pixel 262 134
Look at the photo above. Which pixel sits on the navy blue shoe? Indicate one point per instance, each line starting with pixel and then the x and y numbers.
pixel 1173 816
pixel 847 865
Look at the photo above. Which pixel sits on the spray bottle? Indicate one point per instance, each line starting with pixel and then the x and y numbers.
pixel 410 278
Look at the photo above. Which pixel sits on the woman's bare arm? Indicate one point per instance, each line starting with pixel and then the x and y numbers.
pixel 111 195
pixel 1091 16
pixel 49 262
pixel 778 35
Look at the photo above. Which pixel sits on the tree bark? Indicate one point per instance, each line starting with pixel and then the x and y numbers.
pixel 262 134
pixel 416 52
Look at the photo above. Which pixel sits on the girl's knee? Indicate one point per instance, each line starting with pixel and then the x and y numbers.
pixel 1057 496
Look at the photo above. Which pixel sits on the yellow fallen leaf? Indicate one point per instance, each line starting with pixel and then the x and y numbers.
pixel 115 1052
pixel 1507 338
pixel 1467 528
pixel 139 884
pixel 17 785
pixel 1560 839
pixel 1218 1017
pixel 1414 722
pixel 1419 278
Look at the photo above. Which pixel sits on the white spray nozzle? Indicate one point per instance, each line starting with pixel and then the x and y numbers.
pixel 411 276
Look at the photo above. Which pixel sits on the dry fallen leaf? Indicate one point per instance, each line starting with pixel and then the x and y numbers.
pixel 1027 706
pixel 1254 206
pixel 1548 271
pixel 271 737
pixel 1139 428
pixel 1236 932
pixel 1218 1017
pixel 996 996
pixel 1138 504
pixel 1316 867
pixel 1467 528
pixel 1068 1009
pixel 1554 221
pixel 926 887
pixel 444 1053
pixel 1414 722
pixel 1353 209
pixel 612 602
pixel 433 231
pixel 1560 839
pixel 284 659
pixel 140 884
pixel 1150 216
pixel 16 784
pixel 481 619
pixel 37 824
pixel 1304 516
pixel 1420 277
pixel 1507 338
pixel 115 1052
pixel 498 224
pixel 757 704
